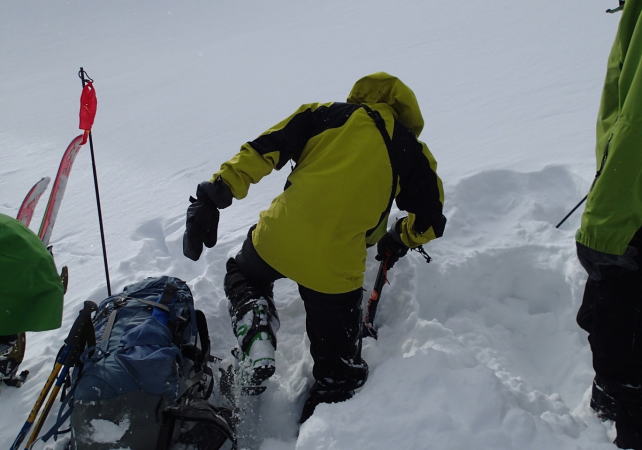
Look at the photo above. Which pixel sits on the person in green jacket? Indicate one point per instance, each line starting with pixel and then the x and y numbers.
pixel 31 292
pixel 349 161
pixel 609 240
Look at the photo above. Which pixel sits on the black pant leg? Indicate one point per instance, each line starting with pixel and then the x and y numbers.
pixel 611 313
pixel 333 324
pixel 248 275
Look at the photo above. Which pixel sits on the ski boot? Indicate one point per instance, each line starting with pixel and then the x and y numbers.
pixel 627 426
pixel 327 391
pixel 255 325
pixel 12 351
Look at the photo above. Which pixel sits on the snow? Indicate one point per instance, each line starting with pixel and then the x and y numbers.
pixel 479 349
pixel 104 431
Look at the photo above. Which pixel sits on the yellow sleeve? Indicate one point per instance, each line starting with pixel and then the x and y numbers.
pixel 271 150
pixel 410 237
pixel 246 167
pixel 426 199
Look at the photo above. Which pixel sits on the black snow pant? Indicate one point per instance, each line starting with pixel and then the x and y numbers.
pixel 611 312
pixel 333 321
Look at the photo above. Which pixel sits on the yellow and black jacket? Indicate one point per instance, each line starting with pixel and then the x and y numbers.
pixel 349 157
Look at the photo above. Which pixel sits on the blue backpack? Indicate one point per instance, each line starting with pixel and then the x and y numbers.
pixel 146 384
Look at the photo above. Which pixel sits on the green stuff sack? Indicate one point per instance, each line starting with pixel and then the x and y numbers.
pixel 31 291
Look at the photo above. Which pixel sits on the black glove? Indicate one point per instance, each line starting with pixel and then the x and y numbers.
pixel 390 246
pixel 202 217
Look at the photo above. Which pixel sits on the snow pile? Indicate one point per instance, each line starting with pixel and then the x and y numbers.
pixel 479 346
pixel 479 349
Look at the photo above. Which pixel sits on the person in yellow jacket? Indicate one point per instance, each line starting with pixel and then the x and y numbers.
pixel 350 162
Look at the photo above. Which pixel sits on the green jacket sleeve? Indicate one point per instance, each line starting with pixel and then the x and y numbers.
pixel 613 211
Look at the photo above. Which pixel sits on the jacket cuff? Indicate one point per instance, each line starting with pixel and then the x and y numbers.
pixel 217 191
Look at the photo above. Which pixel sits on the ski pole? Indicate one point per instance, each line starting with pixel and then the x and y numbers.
pixel 36 407
pixel 80 334
pixel 45 412
pixel 369 329
pixel 620 7
pixel 86 79
pixel 571 212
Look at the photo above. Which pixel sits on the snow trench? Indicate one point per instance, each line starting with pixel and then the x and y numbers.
pixel 478 349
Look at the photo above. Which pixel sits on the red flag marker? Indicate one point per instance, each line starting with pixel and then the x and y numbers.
pixel 88 106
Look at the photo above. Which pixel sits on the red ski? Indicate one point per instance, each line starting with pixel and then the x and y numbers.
pixel 58 189
pixel 25 213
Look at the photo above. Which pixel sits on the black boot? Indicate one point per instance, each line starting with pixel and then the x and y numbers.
pixel 629 427
pixel 254 322
pixel 323 393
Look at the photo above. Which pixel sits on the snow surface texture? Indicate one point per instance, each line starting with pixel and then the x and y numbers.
pixel 477 350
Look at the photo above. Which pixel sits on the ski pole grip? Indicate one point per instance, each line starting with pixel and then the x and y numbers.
pixel 80 333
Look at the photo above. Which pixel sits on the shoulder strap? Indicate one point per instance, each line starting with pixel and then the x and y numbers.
pixel 381 126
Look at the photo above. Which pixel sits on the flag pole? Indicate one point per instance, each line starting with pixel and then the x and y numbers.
pixel 85 80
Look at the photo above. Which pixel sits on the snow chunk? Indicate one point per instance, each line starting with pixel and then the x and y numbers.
pixel 105 431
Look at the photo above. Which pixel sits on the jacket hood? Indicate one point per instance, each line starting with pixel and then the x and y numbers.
pixel 381 87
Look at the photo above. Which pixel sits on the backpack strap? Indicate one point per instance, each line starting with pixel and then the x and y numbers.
pixel 203 337
pixel 212 427
pixel 104 339
pixel 381 126
pixel 201 356
pixel 64 412
pixel 158 305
